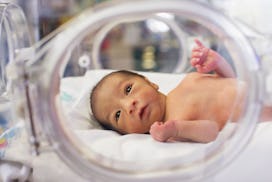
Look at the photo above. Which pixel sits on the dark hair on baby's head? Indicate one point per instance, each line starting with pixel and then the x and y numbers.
pixel 99 84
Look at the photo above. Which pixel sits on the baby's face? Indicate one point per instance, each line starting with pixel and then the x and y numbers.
pixel 130 104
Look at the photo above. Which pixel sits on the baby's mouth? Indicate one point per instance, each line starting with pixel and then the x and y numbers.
pixel 142 112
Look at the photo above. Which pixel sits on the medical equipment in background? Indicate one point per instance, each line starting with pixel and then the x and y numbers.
pixel 31 76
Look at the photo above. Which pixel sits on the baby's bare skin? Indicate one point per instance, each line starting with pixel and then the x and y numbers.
pixel 202 98
pixel 198 108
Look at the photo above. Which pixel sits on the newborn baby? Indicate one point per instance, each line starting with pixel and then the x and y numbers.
pixel 196 110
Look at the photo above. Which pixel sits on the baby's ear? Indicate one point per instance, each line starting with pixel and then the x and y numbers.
pixel 154 85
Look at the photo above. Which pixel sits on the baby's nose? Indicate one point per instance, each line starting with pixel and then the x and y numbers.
pixel 131 106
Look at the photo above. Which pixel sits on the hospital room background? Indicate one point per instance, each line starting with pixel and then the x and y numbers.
pixel 54 51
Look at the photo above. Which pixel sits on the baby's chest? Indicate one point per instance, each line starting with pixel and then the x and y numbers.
pixel 191 105
pixel 180 108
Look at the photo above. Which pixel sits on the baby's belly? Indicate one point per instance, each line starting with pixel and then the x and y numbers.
pixel 228 107
pixel 213 102
pixel 219 109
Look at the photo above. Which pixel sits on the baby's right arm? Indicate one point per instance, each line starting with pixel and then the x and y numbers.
pixel 206 60
pixel 202 131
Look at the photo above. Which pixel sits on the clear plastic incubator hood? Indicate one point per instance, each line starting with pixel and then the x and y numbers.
pixel 43 84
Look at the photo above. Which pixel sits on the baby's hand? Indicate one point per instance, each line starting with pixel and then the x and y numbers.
pixel 163 131
pixel 203 58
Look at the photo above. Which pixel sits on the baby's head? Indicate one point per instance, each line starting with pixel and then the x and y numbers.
pixel 127 102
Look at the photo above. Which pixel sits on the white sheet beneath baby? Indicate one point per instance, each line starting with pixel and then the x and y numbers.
pixel 132 147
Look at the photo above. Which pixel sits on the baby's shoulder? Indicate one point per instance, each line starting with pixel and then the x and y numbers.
pixel 197 74
pixel 193 75
pixel 190 77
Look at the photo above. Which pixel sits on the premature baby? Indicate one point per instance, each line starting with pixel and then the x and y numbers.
pixel 196 110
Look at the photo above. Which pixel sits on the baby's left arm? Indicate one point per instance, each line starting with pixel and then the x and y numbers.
pixel 206 60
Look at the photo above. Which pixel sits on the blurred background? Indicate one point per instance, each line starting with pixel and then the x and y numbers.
pixel 147 45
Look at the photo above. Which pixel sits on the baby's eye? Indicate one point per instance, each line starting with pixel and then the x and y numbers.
pixel 128 89
pixel 117 115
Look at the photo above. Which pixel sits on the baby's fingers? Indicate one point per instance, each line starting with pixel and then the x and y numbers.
pixel 199 57
pixel 206 67
pixel 201 69
pixel 195 61
pixel 155 125
pixel 197 49
pixel 199 43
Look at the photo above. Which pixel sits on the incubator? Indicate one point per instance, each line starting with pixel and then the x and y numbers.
pixel 45 86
